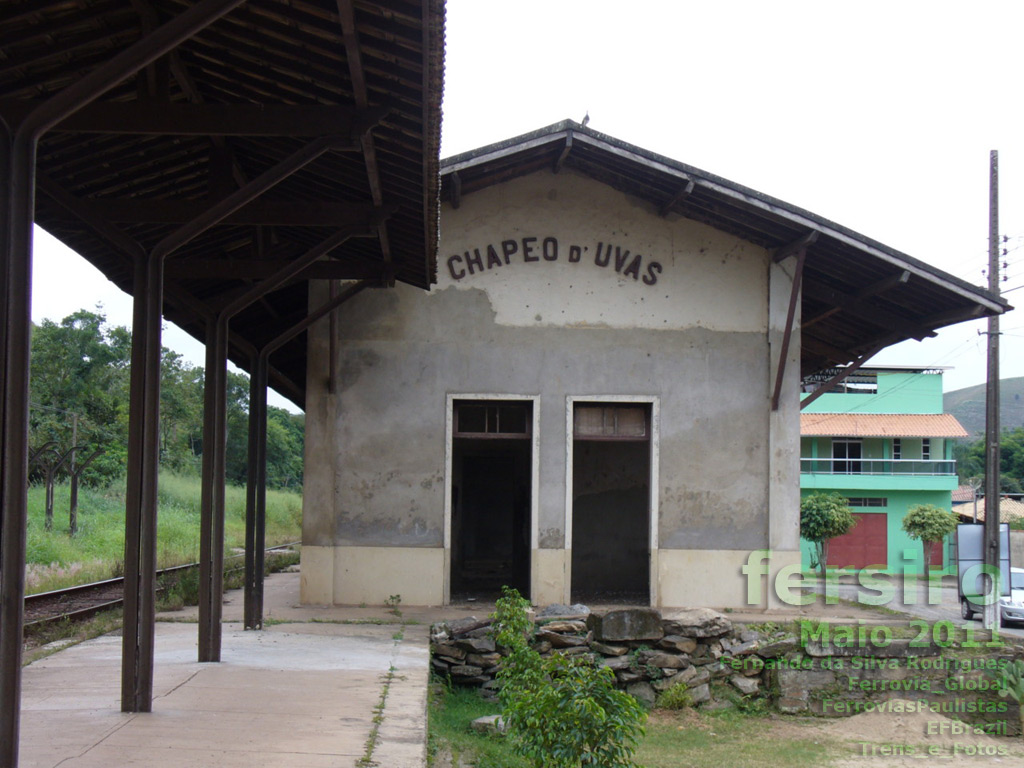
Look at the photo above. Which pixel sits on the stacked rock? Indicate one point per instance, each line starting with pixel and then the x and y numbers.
pixel 649 653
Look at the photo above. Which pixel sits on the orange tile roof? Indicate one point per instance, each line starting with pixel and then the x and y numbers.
pixel 881 425
pixel 963 493
pixel 1008 509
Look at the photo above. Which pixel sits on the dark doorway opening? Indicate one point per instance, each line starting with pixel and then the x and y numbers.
pixel 491 494
pixel 611 470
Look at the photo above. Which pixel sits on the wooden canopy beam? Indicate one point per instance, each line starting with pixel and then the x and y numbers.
pixel 255 269
pixel 455 190
pixel 835 355
pixel 150 117
pixel 684 191
pixel 298 214
pixel 872 314
pixel 845 373
pixel 796 247
pixel 794 298
pixel 876 288
pixel 354 56
pixel 564 153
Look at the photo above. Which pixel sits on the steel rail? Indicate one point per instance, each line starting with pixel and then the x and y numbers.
pixel 39 599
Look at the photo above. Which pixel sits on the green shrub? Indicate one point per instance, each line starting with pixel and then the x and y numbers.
pixel 561 711
pixel 676 697
pixel 1011 681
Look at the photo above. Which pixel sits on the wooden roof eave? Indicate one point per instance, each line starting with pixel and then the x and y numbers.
pixel 861 270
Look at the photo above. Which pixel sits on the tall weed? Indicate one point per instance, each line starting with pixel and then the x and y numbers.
pixel 55 559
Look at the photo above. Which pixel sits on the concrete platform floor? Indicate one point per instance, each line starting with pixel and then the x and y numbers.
pixel 303 692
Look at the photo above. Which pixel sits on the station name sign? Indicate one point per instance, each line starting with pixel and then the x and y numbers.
pixel 536 250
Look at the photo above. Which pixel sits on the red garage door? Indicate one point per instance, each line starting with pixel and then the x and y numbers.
pixel 866 544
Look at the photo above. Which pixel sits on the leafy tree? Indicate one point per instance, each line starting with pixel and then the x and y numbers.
pixel 285 445
pixel 824 516
pixel 930 524
pixel 79 374
pixel 237 449
pixel 971 460
pixel 80 382
pixel 181 412
pixel 561 711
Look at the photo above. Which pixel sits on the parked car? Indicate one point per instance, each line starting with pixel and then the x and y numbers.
pixel 1011 607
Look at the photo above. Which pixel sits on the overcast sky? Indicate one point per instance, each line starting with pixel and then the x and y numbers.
pixel 877 115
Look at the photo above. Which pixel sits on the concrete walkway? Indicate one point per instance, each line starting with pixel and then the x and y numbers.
pixel 303 692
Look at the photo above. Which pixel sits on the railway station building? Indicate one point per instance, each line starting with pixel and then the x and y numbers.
pixel 599 397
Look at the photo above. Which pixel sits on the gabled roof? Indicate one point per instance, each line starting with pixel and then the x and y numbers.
pixel 880 425
pixel 263 81
pixel 857 293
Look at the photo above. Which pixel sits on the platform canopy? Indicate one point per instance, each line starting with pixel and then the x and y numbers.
pixel 265 80
pixel 857 295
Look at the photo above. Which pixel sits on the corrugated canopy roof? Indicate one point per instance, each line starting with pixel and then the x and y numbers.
pixel 857 293
pixel 880 425
pixel 266 79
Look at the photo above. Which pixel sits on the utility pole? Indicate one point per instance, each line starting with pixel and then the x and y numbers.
pixel 991 615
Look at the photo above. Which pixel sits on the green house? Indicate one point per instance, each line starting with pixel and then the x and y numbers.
pixel 881 440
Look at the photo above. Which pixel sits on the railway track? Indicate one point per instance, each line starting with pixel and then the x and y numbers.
pixel 86 600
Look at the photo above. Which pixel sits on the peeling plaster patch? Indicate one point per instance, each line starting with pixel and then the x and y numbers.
pixel 551 538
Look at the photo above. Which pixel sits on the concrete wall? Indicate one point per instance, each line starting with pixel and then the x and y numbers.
pixel 553 287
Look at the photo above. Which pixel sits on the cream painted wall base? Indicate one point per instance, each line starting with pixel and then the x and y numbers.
pixel 784 571
pixel 699 578
pixel 685 578
pixel 316 575
pixel 372 574
pixel 549 581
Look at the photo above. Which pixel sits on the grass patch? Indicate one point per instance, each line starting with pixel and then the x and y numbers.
pixel 692 739
pixel 55 559
pixel 680 739
pixel 451 711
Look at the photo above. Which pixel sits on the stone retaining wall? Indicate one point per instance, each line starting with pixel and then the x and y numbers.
pixel 723 664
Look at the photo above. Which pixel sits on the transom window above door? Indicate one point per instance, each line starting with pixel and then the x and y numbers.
pixel 492 419
pixel 611 422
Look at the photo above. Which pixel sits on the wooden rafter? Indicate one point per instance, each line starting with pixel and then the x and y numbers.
pixel 858 308
pixel 684 191
pixel 564 153
pixel 282 213
pixel 152 117
pixel 796 247
pixel 353 54
pixel 876 288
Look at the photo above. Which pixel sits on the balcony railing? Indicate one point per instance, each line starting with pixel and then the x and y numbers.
pixel 876 467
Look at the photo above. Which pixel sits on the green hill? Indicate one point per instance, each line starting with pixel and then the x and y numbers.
pixel 968 405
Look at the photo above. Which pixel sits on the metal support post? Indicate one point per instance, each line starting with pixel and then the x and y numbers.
pixel 256 492
pixel 17 196
pixel 211 520
pixel 137 645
